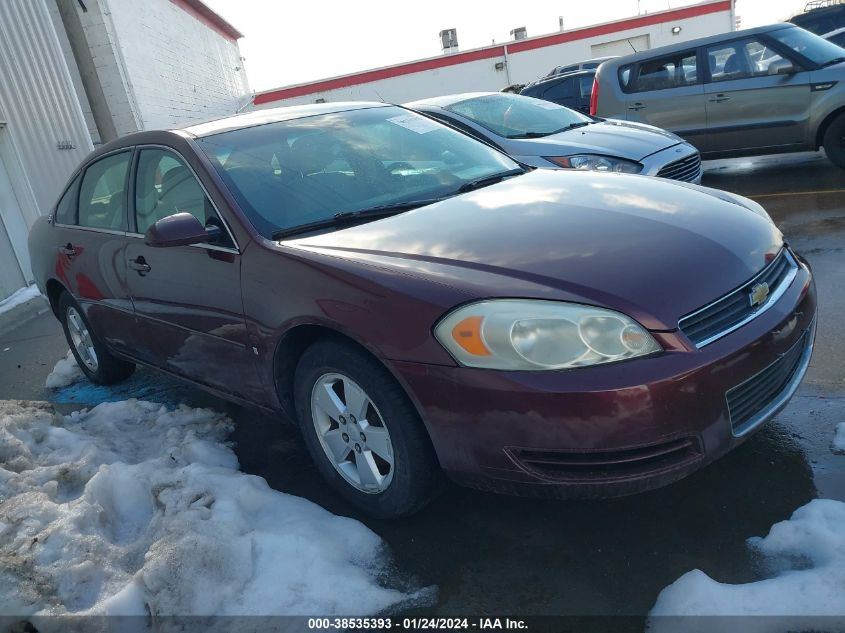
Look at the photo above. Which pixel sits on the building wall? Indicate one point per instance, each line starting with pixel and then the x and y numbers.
pixel 39 110
pixel 520 62
pixel 160 65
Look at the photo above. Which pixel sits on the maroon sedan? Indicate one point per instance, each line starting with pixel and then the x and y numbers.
pixel 420 303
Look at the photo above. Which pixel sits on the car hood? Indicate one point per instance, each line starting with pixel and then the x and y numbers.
pixel 623 139
pixel 648 247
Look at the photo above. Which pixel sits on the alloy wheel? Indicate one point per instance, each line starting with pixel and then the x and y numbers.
pixel 352 433
pixel 81 339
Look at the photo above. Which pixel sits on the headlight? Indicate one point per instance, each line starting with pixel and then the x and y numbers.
pixel 540 335
pixel 594 162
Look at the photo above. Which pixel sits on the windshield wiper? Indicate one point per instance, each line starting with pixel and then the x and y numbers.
pixel 350 217
pixel 472 185
pixel 833 61
pixel 565 128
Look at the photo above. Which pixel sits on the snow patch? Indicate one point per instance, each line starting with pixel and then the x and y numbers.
pixel 65 372
pixel 19 297
pixel 808 553
pixel 838 445
pixel 132 507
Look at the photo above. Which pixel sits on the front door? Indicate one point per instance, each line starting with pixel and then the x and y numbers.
pixel 187 298
pixel 749 104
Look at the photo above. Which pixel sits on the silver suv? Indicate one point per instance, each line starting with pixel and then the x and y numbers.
pixel 766 90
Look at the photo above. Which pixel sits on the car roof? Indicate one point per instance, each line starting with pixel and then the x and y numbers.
pixel 447 100
pixel 275 115
pixel 701 41
pixel 553 78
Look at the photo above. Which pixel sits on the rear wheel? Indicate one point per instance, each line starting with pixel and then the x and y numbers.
pixel 362 431
pixel 834 141
pixel 92 356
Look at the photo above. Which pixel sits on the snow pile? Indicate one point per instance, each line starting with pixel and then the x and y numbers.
pixel 132 507
pixel 839 439
pixel 806 555
pixel 65 372
pixel 19 297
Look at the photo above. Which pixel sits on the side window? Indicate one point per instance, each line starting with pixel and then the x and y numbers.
pixel 563 92
pixel 165 186
pixel 102 199
pixel 663 73
pixel 742 59
pixel 66 207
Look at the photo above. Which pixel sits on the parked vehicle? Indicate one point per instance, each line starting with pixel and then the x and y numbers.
pixel 821 17
pixel 760 91
pixel 421 303
pixel 572 90
pixel 590 64
pixel 542 134
pixel 837 37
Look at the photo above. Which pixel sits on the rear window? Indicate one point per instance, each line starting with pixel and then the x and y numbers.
pixel 663 73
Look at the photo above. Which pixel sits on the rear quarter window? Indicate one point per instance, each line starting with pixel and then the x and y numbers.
pixel 661 73
pixel 66 207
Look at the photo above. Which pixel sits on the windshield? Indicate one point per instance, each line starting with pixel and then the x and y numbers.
pixel 816 49
pixel 518 116
pixel 306 170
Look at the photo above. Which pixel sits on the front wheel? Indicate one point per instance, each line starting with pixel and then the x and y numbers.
pixel 834 141
pixel 92 356
pixel 362 431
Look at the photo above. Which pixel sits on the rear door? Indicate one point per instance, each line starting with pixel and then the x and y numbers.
pixel 667 92
pixel 749 105
pixel 187 298
pixel 90 237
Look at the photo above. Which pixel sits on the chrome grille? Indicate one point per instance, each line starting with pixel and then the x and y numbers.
pixel 687 169
pixel 751 401
pixel 735 309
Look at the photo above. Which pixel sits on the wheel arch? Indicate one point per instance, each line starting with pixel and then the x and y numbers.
pixel 825 124
pixel 54 289
pixel 292 345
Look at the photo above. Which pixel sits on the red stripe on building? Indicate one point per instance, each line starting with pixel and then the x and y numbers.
pixel 486 53
pixel 201 12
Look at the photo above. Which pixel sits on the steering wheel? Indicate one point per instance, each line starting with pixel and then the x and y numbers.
pixel 399 165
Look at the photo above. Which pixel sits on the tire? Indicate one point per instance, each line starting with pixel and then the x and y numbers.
pixel 412 479
pixel 95 360
pixel 834 141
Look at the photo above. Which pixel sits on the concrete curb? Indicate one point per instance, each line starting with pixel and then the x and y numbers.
pixel 22 314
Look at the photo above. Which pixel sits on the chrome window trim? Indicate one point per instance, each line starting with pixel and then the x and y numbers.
pixel 791 387
pixel 181 156
pixel 209 247
pixel 91 229
pixel 773 298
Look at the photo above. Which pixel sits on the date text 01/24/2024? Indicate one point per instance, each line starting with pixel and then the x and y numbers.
pixel 416 624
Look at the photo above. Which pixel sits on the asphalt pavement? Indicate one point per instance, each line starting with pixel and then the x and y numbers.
pixel 490 554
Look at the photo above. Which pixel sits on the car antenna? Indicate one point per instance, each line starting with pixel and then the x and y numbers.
pixel 631 45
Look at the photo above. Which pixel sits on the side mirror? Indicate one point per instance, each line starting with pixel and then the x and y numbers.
pixel 786 69
pixel 180 229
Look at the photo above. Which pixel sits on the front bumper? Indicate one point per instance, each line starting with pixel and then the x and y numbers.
pixel 613 429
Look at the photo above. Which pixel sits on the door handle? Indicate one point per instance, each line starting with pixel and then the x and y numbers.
pixel 140 265
pixel 636 106
pixel 68 251
pixel 719 98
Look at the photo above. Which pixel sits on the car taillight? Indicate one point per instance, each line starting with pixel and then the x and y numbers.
pixel 594 97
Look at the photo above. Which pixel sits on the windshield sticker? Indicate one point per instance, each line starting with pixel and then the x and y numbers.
pixel 418 124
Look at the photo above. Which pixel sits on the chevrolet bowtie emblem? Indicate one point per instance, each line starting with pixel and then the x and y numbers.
pixel 758 295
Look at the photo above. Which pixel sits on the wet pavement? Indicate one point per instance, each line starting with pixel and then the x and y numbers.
pixel 499 555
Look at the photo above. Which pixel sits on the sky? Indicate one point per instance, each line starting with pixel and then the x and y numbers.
pixel 296 42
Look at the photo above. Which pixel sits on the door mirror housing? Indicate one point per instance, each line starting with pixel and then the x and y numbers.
pixel 783 68
pixel 180 229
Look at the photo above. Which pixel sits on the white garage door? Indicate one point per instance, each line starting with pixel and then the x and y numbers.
pixel 621 47
pixel 14 259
